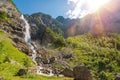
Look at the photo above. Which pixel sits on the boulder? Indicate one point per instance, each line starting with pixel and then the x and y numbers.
pixel 22 72
pixel 117 77
pixel 81 73
pixel 51 60
pixel 44 61
pixel 67 72
pixel 1 78
pixel 67 56
pixel 38 60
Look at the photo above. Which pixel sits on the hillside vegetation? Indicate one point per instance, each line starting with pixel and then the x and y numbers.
pixel 11 60
pixel 57 40
pixel 4 16
pixel 101 54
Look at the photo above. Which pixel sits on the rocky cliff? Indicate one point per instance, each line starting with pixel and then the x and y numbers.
pixel 11 23
pixel 14 26
pixel 40 23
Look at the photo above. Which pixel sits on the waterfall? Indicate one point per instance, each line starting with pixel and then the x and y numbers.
pixel 28 40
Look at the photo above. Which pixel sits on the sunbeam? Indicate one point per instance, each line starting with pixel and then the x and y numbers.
pixel 84 7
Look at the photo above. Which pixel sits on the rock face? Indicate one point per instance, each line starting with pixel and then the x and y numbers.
pixel 117 77
pixel 38 23
pixel 22 46
pixel 14 26
pixel 81 73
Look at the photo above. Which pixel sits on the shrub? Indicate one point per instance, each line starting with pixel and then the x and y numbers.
pixel 58 40
pixel 4 16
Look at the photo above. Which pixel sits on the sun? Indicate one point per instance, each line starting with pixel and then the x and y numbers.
pixel 96 4
pixel 84 7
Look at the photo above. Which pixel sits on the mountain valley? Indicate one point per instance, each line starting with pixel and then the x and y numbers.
pixel 39 47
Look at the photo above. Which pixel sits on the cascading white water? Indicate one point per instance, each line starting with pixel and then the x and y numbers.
pixel 28 38
pixel 40 72
pixel 34 55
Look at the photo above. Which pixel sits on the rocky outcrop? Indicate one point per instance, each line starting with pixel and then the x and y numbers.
pixel 55 60
pixel 117 77
pixel 81 73
pixel 22 45
pixel 38 23
pixel 14 25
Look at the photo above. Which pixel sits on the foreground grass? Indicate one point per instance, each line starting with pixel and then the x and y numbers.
pixel 37 77
pixel 11 60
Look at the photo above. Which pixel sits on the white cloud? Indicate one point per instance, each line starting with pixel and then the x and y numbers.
pixel 83 7
pixel 78 11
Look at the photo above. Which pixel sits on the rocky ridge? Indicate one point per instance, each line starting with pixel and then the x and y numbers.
pixel 72 27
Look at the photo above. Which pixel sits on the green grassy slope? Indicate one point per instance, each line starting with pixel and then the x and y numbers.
pixel 101 54
pixel 11 60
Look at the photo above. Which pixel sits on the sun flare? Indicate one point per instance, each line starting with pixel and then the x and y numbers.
pixel 96 4
pixel 84 7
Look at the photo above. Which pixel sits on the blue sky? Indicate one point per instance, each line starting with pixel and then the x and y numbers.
pixel 51 7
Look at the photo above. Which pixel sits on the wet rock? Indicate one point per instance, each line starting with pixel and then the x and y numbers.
pixel 38 60
pixel 22 72
pixel 67 72
pixel 51 60
pixel 45 71
pixel 117 77
pixel 81 73
pixel 22 46
pixel 45 61
pixel 42 52
pixel 57 71
pixel 67 56
pixel 43 56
